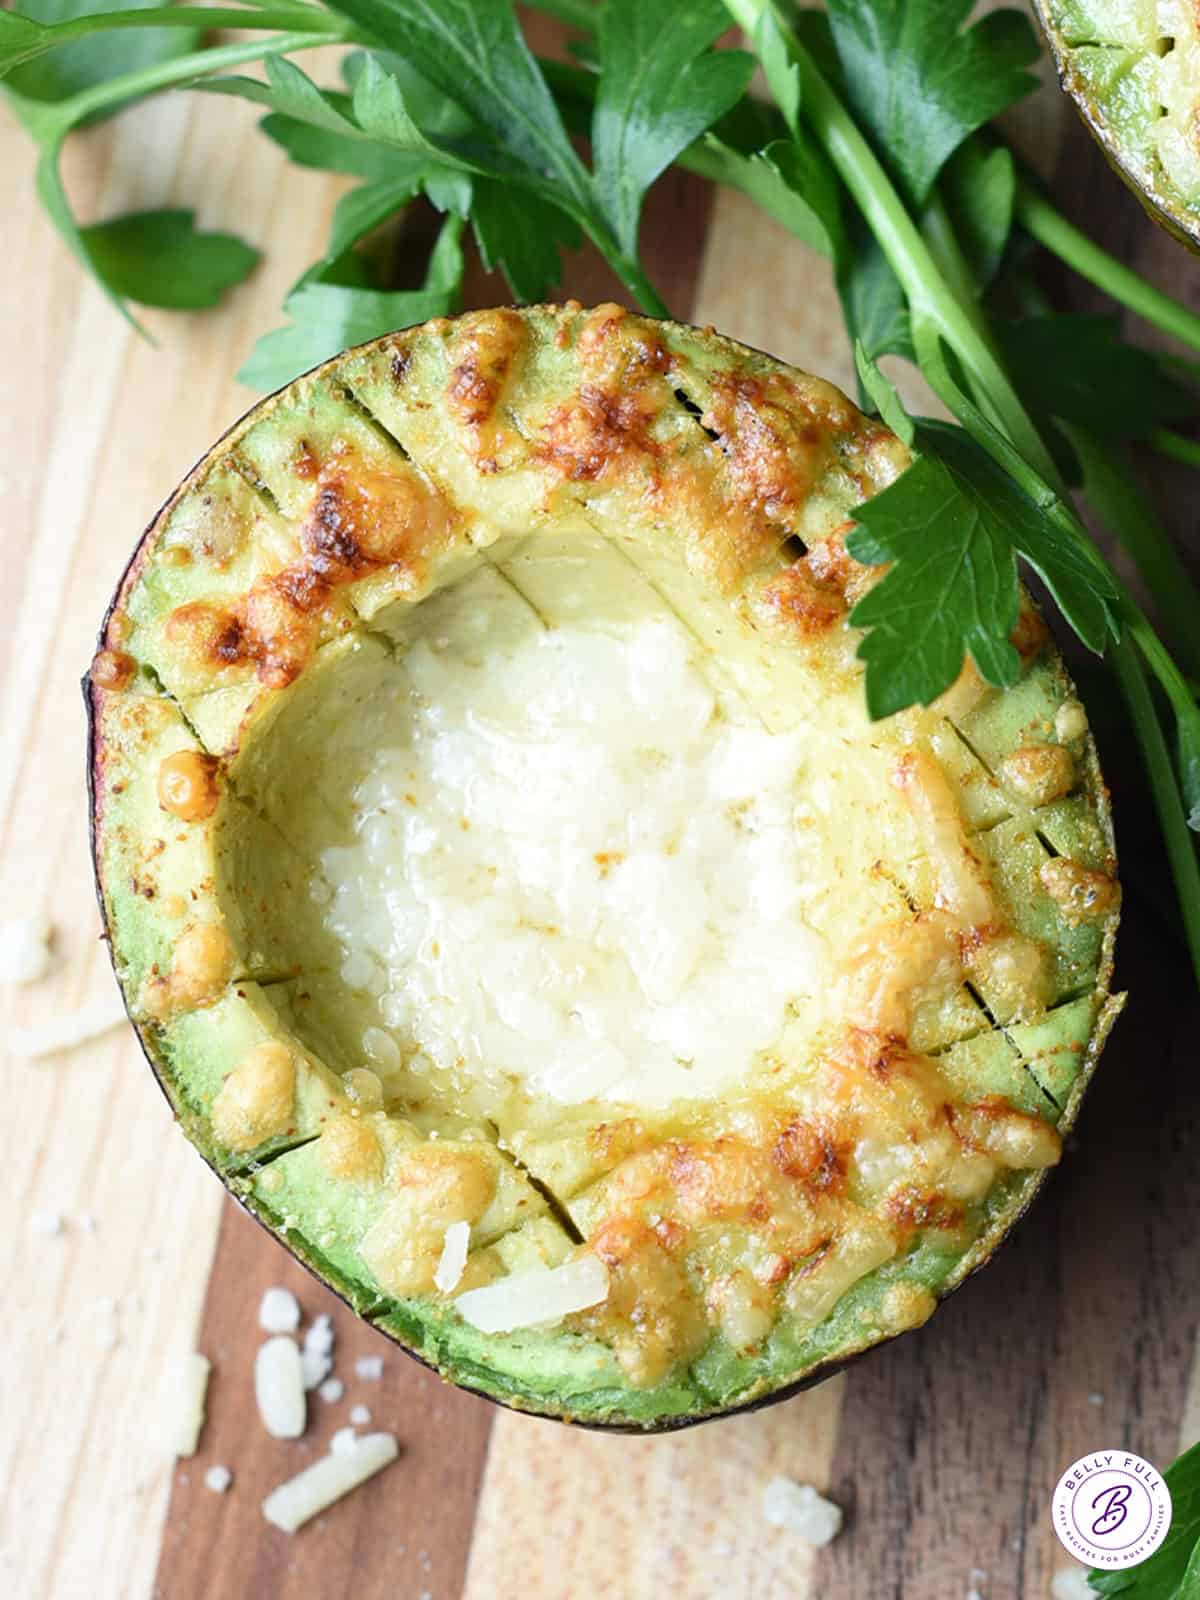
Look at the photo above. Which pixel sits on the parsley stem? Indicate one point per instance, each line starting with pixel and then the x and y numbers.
pixel 1177 836
pixel 1111 486
pixel 939 235
pixel 1161 663
pixel 271 17
pixel 1115 495
pixel 1052 230
pixel 929 296
pixel 63 115
pixel 1175 445
pixel 633 275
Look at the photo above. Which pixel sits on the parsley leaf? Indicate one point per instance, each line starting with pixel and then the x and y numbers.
pixel 314 147
pixel 979 188
pixel 873 302
pixel 429 107
pixel 1080 369
pixel 329 317
pixel 1173 1571
pixel 953 585
pixel 362 210
pixel 157 258
pixel 953 526
pixel 921 83
pixel 160 258
pixel 882 392
pixel 789 179
pixel 781 72
pixel 370 134
pixel 522 239
pixel 475 54
pixel 660 88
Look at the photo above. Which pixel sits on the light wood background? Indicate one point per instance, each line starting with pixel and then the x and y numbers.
pixel 943 1448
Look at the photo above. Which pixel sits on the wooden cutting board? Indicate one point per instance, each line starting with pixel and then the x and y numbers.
pixel 943 1448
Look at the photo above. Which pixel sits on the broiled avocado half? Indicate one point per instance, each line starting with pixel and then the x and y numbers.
pixel 520 911
pixel 1133 69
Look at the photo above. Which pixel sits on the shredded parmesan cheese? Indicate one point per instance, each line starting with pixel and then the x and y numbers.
pixel 801 1510
pixel 332 1390
pixel 185 1397
pixel 319 1338
pixel 47 1223
pixel 279 1311
pixel 25 954
pixel 316 1359
pixel 591 970
pixel 1070 721
pixel 455 1245
pixel 314 1368
pixel 360 1416
pixel 369 1368
pixel 542 1295
pixel 312 1491
pixel 279 1388
pixel 218 1479
pixel 69 1032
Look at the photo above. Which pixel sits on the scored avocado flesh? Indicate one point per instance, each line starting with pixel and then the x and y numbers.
pixel 1133 68
pixel 761 1226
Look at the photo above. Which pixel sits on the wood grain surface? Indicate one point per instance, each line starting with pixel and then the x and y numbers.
pixel 943 1447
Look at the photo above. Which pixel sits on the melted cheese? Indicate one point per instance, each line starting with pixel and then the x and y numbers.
pixel 574 864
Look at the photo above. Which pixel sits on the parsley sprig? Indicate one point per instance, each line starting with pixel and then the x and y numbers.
pixel 876 146
pixel 953 530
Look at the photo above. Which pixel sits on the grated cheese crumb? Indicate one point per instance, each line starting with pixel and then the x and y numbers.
pixel 360 1416
pixel 314 1368
pixel 1070 721
pixel 344 1442
pixel 319 1337
pixel 332 1390
pixel 310 1492
pixel 279 1311
pixel 799 1508
pixel 25 953
pixel 46 1223
pixel 316 1359
pixel 218 1479
pixel 455 1245
pixel 279 1388
pixel 184 1408
pixel 538 1295
pixel 369 1368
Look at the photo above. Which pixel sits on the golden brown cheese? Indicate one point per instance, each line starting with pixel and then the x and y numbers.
pixel 1081 893
pixel 203 964
pixel 255 1102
